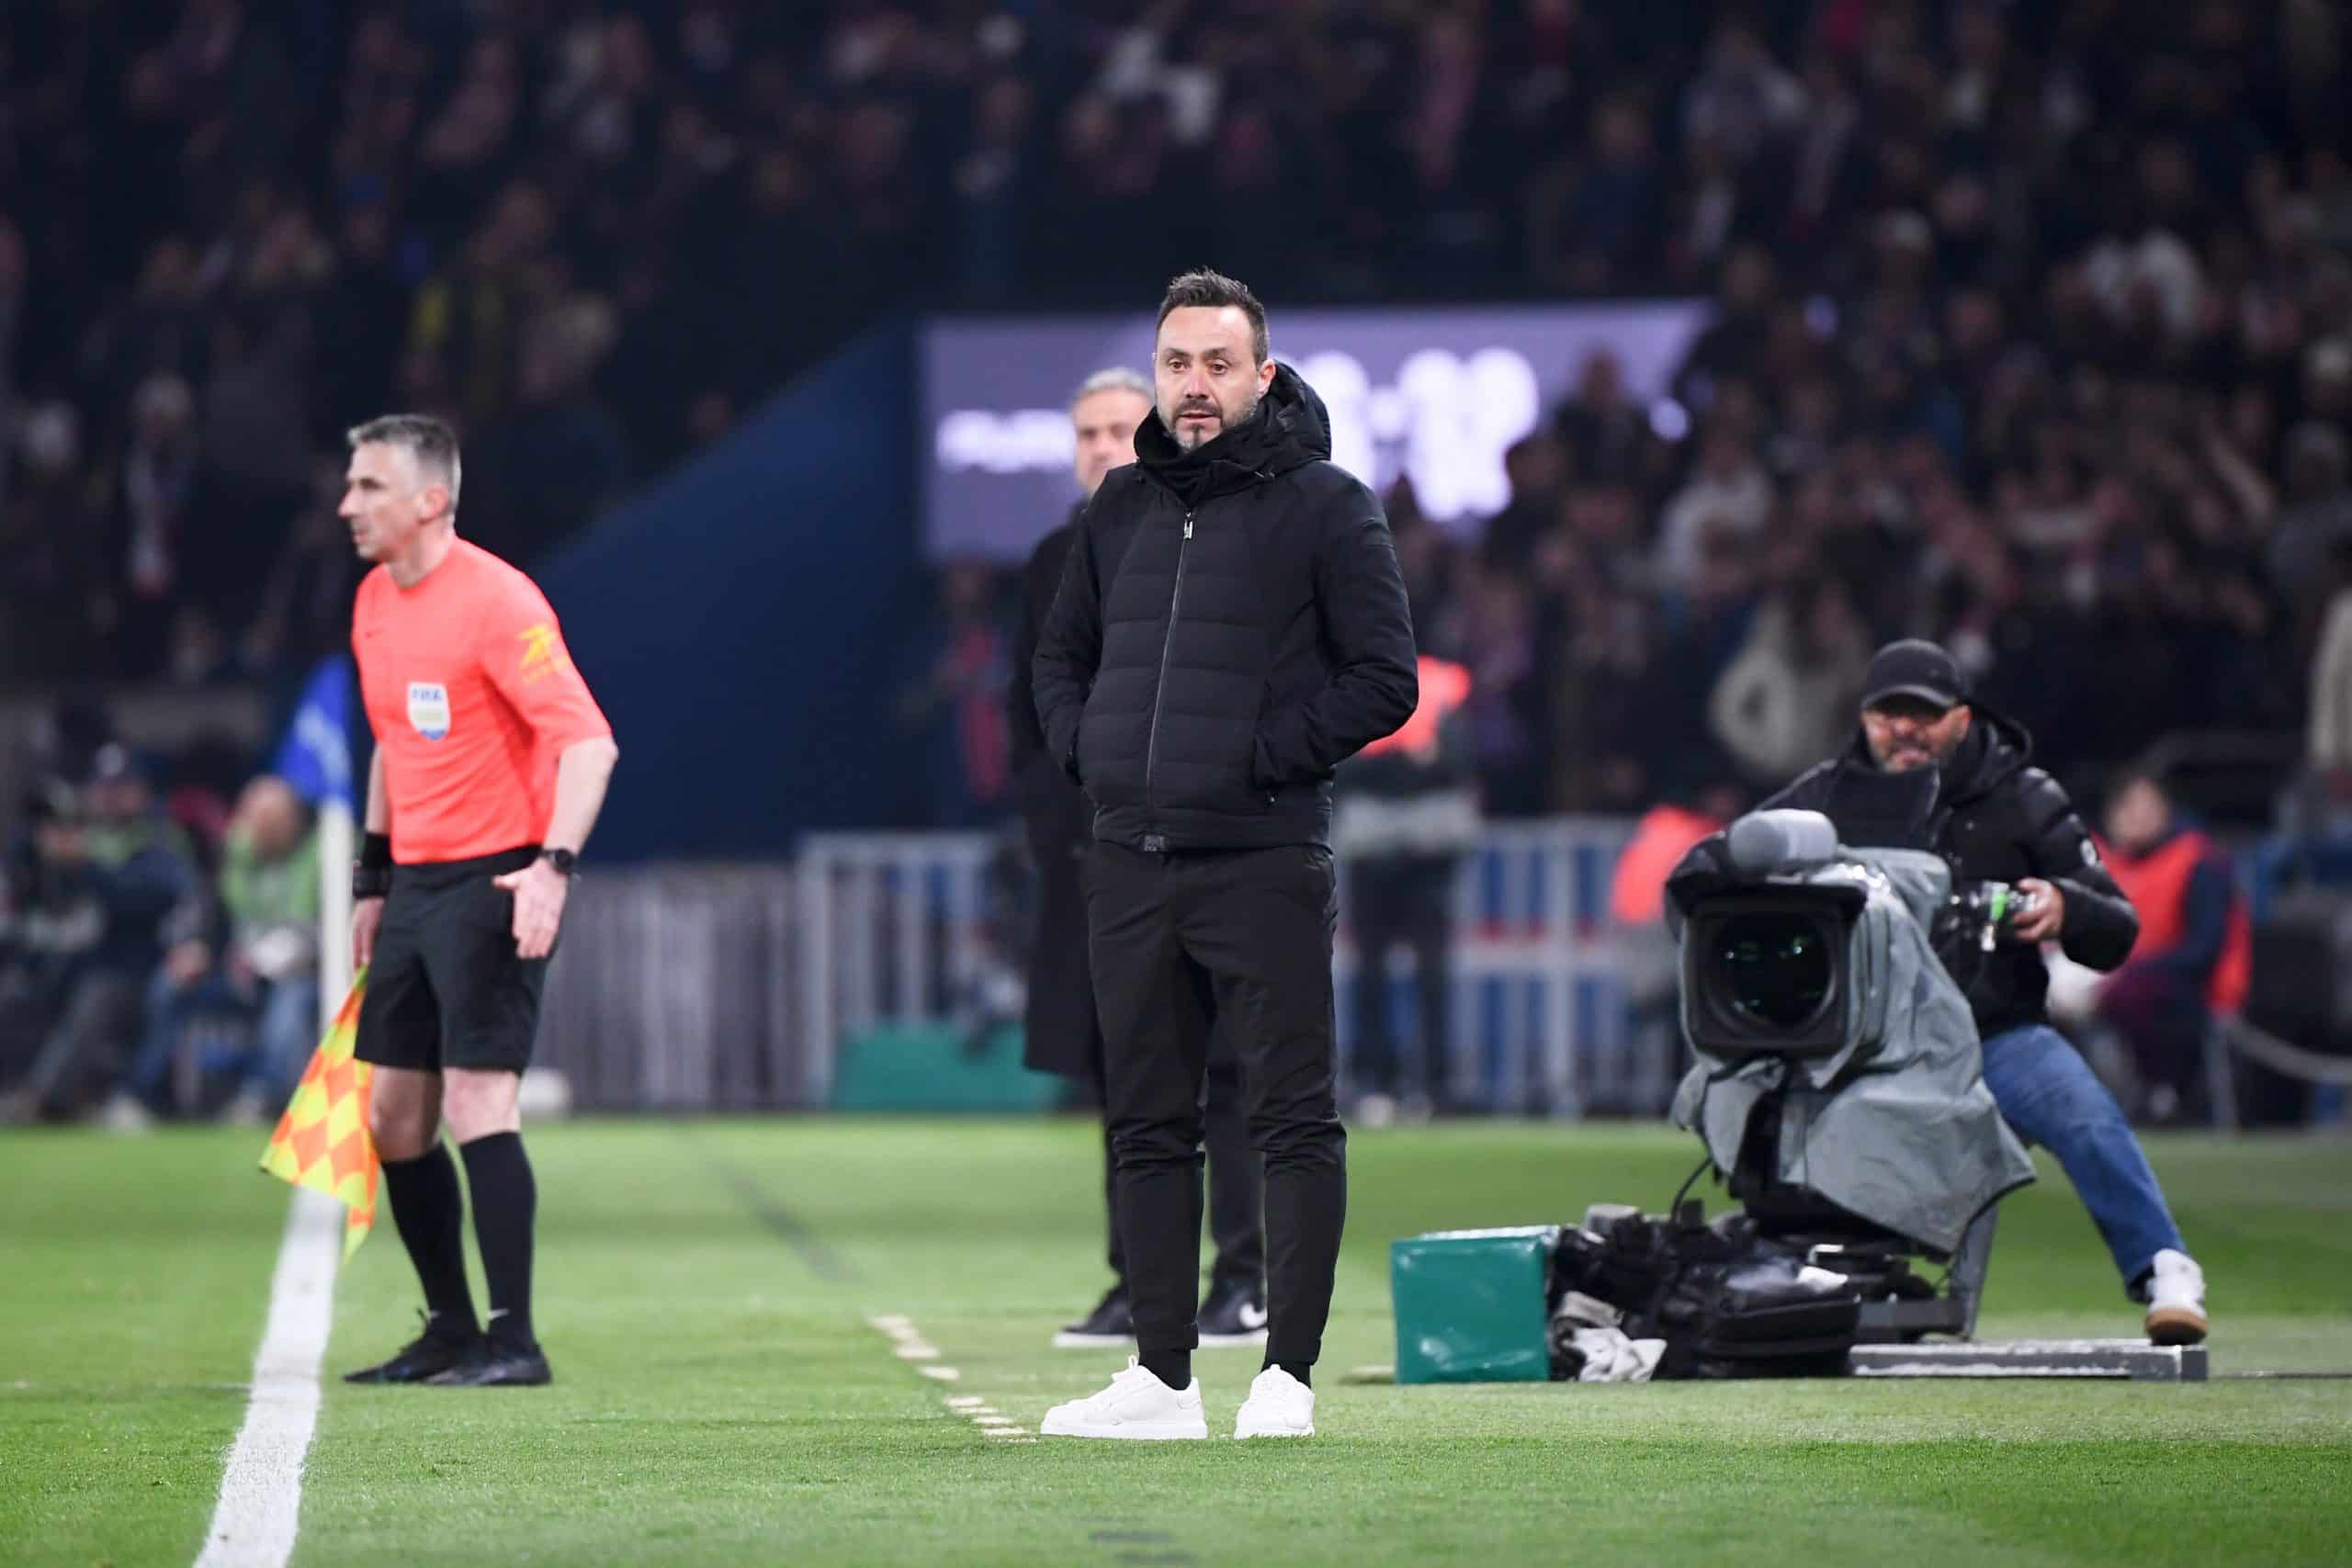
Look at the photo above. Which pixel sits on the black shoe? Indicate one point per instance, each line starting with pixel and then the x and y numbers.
pixel 427 1356
pixel 493 1365
pixel 1235 1314
pixel 1111 1324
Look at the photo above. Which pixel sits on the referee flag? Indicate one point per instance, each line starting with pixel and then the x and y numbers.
pixel 321 1141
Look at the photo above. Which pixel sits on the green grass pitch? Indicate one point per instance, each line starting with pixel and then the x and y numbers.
pixel 705 1291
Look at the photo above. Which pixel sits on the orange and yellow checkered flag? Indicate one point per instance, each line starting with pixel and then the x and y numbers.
pixel 322 1141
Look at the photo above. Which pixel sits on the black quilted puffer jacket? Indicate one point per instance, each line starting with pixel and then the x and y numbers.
pixel 1231 625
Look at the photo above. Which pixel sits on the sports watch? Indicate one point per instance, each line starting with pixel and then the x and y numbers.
pixel 564 861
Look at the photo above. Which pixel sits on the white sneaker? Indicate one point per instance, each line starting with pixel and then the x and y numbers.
pixel 122 1113
pixel 1279 1406
pixel 247 1110
pixel 2175 1300
pixel 1136 1407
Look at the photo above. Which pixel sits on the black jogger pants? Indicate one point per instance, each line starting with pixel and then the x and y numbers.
pixel 1181 943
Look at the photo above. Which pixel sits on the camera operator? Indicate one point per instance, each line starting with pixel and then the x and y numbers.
pixel 2000 821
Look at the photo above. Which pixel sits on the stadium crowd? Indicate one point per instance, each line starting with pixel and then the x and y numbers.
pixel 2033 328
pixel 2035 331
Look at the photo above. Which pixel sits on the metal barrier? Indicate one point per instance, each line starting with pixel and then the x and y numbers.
pixel 889 931
pixel 677 987
pixel 1541 1003
pixel 731 988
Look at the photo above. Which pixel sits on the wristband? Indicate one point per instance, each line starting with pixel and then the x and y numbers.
pixel 372 874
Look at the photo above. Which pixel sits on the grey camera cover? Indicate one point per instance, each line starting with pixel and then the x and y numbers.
pixel 1897 1125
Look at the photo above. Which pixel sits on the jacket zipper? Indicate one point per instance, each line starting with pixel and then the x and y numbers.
pixel 1160 692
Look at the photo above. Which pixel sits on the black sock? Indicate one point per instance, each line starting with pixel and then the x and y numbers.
pixel 430 1211
pixel 1174 1368
pixel 1303 1371
pixel 505 1198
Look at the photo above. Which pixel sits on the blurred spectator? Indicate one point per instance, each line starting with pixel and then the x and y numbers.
pixel 957 704
pixel 1603 430
pixel 304 611
pixel 2033 323
pixel 50 919
pixel 1661 837
pixel 1646 955
pixel 157 496
pixel 121 873
pixel 559 457
pixel 2194 957
pixel 50 593
pixel 2316 526
pixel 1728 495
pixel 257 961
pixel 1595 221
pixel 1781 705
pixel 1406 813
pixel 1491 630
pixel 1734 343
pixel 2328 733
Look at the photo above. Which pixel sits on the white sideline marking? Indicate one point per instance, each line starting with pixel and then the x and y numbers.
pixel 910 1346
pixel 261 1489
pixel 903 1334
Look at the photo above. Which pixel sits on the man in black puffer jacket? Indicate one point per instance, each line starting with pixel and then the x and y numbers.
pixel 1061 1032
pixel 1231 625
pixel 1929 770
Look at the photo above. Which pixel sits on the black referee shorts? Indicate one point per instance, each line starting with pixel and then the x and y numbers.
pixel 445 988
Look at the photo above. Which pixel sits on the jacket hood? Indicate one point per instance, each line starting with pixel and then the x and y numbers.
pixel 1998 748
pixel 1289 429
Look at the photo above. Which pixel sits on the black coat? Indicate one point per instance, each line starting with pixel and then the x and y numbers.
pixel 1060 1031
pixel 1996 818
pixel 1231 625
pixel 1041 576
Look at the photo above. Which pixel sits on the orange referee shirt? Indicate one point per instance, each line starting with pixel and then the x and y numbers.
pixel 472 699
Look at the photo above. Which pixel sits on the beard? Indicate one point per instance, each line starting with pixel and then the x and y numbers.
pixel 1190 438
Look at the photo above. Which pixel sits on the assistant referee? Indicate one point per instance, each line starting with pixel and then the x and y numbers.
pixel 490 765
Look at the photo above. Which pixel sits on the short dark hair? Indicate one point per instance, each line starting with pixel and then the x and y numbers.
pixel 429 440
pixel 2147 771
pixel 1201 287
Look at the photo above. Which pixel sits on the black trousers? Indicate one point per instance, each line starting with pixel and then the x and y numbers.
pixel 1181 945
pixel 1407 901
pixel 1063 1035
pixel 1236 1185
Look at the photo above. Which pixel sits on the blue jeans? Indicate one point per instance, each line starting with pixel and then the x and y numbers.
pixel 284 1038
pixel 282 1018
pixel 169 1009
pixel 2050 1096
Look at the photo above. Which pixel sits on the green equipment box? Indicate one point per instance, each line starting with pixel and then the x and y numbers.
pixel 933 1067
pixel 1470 1304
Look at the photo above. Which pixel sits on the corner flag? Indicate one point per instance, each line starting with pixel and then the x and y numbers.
pixel 322 1141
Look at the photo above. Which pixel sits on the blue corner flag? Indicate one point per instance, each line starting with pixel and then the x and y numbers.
pixel 315 756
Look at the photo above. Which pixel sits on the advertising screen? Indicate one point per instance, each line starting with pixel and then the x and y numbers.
pixel 1438 394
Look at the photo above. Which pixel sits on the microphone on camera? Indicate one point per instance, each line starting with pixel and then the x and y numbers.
pixel 1764 843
